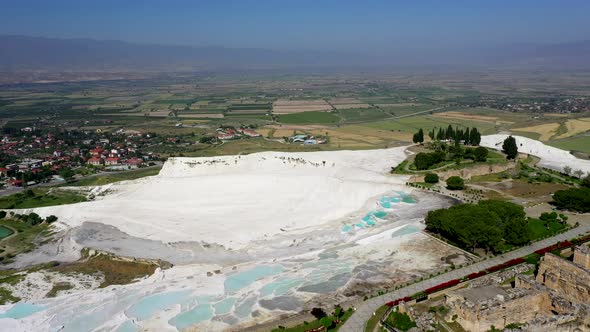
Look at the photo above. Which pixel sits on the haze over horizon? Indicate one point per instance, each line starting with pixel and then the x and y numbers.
pixel 182 35
pixel 373 27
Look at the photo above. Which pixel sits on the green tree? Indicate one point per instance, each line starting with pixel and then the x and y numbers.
pixel 480 153
pixel 576 199
pixel 510 148
pixel 67 174
pixel 327 322
pixel 586 181
pixel 455 183
pixel 418 137
pixel 517 232
pixel 431 178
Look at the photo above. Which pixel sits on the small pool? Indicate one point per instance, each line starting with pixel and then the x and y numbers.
pixel 280 287
pixel 224 306
pixel 200 313
pixel 150 305
pixel 406 230
pixel 21 310
pixel 5 232
pixel 346 228
pixel 243 279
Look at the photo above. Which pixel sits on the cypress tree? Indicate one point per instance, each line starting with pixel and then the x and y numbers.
pixel 510 148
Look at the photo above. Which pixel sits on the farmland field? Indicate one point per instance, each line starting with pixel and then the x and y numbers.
pixel 309 117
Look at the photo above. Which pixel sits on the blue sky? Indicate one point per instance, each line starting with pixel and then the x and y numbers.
pixel 303 24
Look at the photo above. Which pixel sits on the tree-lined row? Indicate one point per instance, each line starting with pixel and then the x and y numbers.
pixel 467 136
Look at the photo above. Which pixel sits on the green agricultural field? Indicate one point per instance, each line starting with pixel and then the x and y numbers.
pixel 362 114
pixel 309 118
pixel 413 123
pixel 579 143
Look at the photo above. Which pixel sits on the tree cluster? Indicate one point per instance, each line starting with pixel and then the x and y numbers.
pixel 484 225
pixel 467 136
pixel 425 160
pixel 575 199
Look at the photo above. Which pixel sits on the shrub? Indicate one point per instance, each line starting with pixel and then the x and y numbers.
pixel 455 183
pixel 481 153
pixel 431 178
pixel 2 214
pixel 51 219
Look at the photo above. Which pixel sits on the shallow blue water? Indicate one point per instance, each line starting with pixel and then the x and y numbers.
pixel 148 306
pixel 408 229
pixel 224 306
pixel 22 310
pixel 245 278
pixel 198 314
pixel 346 228
pixel 128 326
pixel 280 287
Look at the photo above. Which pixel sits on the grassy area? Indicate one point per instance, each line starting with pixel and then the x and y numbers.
pixel 115 271
pixel 116 177
pixel 400 321
pixel 306 326
pixel 309 117
pixel 25 238
pixel 539 229
pixel 60 286
pixel 362 114
pixel 374 320
pixel 579 143
pixel 39 197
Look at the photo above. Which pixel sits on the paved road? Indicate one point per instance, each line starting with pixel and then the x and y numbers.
pixel 356 323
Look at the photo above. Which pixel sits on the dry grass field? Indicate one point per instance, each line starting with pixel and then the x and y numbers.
pixel 347 103
pixel 546 131
pixel 465 116
pixel 201 115
pixel 575 126
pixel 285 106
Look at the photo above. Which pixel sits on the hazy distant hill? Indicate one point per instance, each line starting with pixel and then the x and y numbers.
pixel 34 53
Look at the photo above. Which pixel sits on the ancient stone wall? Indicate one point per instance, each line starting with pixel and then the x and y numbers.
pixel 582 256
pixel 570 280
pixel 518 310
pixel 466 173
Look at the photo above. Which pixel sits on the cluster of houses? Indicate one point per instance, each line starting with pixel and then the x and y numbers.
pixel 41 156
pixel 231 133
pixel 306 139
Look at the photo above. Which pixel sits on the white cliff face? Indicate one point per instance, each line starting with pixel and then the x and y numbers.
pixel 232 200
pixel 551 157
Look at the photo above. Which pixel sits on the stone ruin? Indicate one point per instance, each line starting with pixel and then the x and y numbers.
pixel 558 299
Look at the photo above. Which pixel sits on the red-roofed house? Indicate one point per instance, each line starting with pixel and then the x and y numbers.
pixel 95 161
pixel 111 161
pixel 134 161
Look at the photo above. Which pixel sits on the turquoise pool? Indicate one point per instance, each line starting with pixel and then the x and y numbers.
pixel 5 232
pixel 150 305
pixel 224 306
pixel 243 279
pixel 21 310
pixel 280 287
pixel 200 313
pixel 406 230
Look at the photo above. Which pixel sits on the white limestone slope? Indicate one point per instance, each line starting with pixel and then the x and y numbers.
pixel 551 157
pixel 233 200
